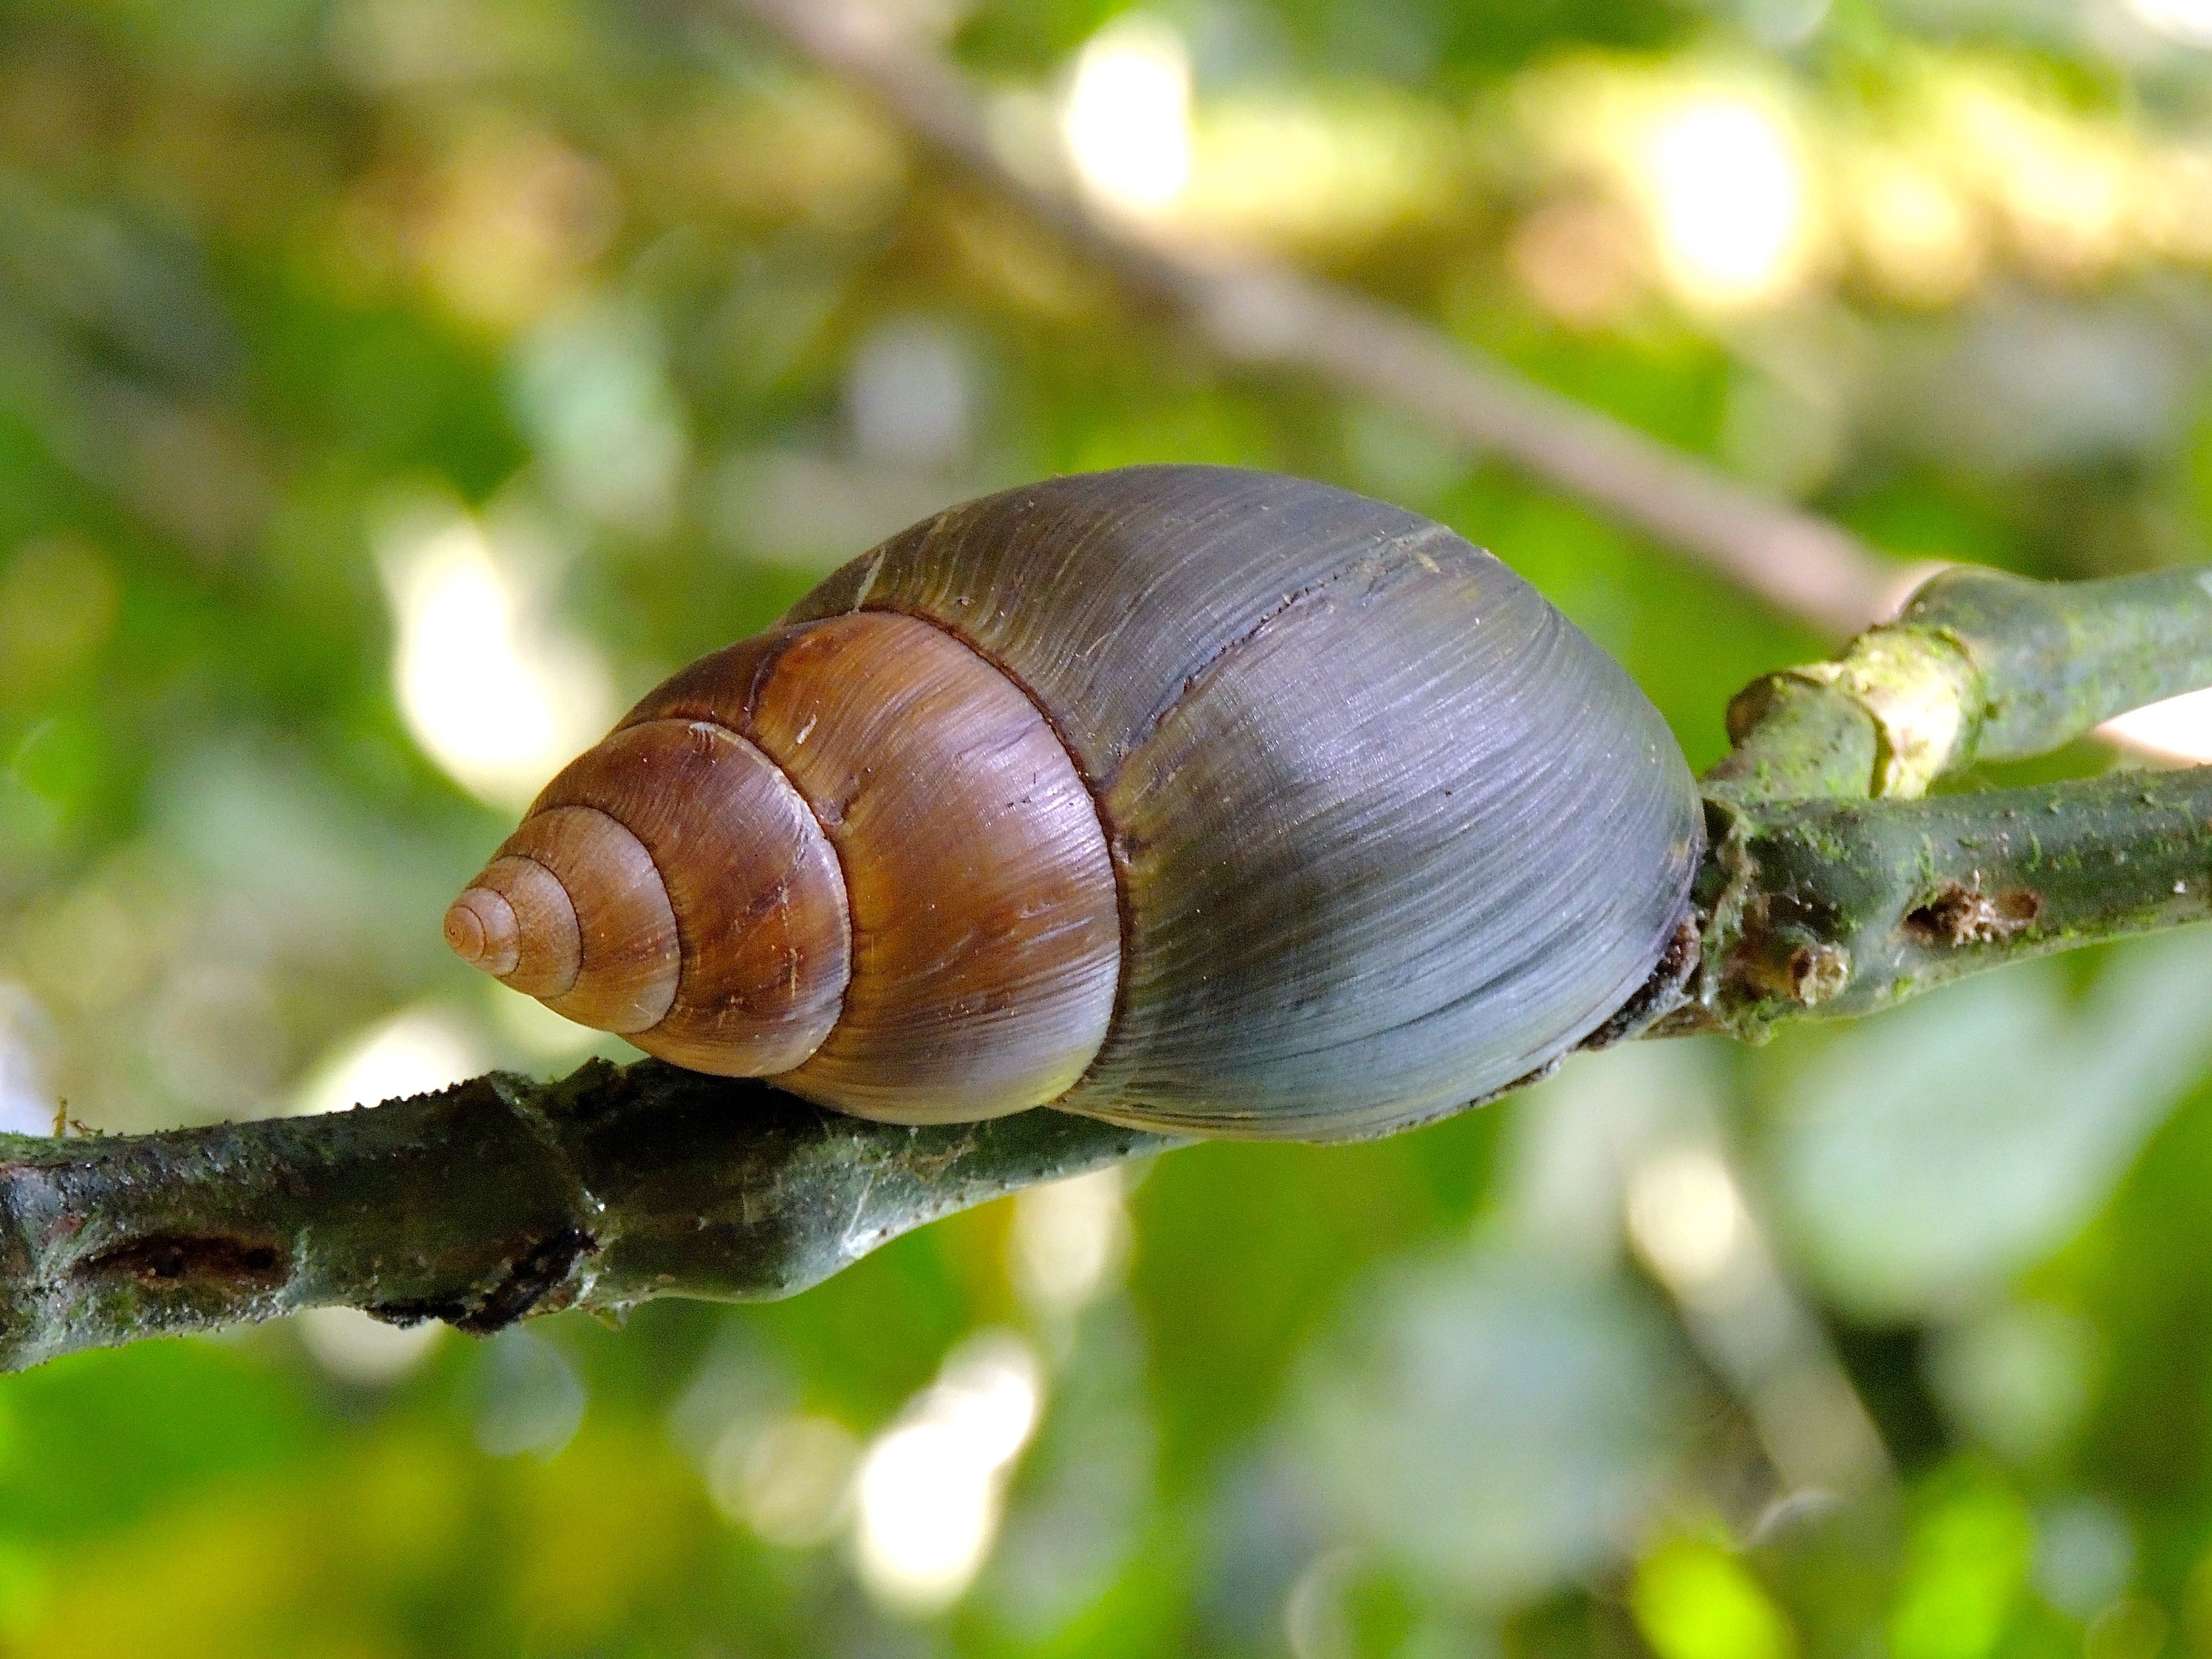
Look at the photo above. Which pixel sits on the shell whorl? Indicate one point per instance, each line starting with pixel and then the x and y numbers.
pixel 1392 834
pixel 670 885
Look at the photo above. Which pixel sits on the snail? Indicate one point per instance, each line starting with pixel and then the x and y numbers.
pixel 1183 797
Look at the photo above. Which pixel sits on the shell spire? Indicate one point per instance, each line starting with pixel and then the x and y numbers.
pixel 670 886
pixel 851 855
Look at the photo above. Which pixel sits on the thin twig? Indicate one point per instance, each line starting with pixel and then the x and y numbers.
pixel 1979 665
pixel 1829 889
pixel 1264 314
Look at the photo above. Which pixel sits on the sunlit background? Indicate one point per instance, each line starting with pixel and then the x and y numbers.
pixel 390 389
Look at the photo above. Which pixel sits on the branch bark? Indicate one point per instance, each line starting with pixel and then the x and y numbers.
pixel 1267 314
pixel 503 1199
pixel 493 1201
pixel 1829 889
pixel 1831 910
pixel 1979 665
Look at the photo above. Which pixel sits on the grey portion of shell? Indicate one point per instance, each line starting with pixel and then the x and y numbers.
pixel 1391 832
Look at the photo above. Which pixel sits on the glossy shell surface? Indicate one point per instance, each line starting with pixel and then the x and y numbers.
pixel 1388 833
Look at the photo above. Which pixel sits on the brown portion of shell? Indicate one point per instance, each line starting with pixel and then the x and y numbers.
pixel 525 927
pixel 985 934
pixel 753 886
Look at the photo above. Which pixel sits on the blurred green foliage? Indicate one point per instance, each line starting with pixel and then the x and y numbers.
pixel 612 322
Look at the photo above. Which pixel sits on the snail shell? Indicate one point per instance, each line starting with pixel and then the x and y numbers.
pixel 1179 796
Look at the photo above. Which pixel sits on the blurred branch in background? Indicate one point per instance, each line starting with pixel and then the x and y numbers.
pixel 1268 314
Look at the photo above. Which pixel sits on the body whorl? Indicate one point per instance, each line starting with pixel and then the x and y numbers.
pixel 1390 832
pixel 1180 796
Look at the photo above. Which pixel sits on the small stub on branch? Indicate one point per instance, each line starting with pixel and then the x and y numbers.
pixel 1791 962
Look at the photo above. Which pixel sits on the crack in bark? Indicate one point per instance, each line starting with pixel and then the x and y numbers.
pixel 537 1282
pixel 251 1266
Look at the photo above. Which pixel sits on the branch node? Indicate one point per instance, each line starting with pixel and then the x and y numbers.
pixel 1918 686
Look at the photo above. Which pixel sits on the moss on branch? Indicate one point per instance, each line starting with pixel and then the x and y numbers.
pixel 1831 890
pixel 1831 910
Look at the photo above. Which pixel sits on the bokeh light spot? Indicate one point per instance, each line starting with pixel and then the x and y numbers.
pixel 498 701
pixel 1693 1600
pixel 1126 123
pixel 929 1485
pixel 352 1347
pixel 1068 1241
pixel 789 1479
pixel 413 1053
pixel 2179 729
pixel 1685 1215
pixel 2188 21
pixel 1729 200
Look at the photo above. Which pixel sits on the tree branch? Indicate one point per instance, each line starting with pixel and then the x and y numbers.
pixel 493 1202
pixel 1979 665
pixel 502 1198
pixel 1829 889
pixel 1834 909
pixel 1269 314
